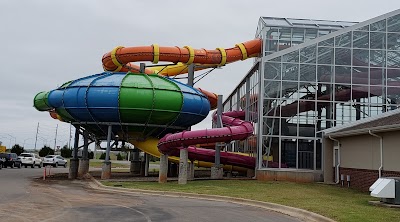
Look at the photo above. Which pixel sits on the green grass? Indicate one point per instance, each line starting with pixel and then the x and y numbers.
pixel 99 164
pixel 340 204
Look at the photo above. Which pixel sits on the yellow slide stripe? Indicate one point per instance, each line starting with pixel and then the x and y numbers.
pixel 191 54
pixel 243 50
pixel 156 52
pixel 115 60
pixel 223 56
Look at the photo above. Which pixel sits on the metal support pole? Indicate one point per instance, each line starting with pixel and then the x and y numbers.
pixel 84 161
pixel 183 166
pixel 74 162
pixel 146 166
pixel 162 175
pixel 108 144
pixel 217 170
pixel 106 170
pixel 142 67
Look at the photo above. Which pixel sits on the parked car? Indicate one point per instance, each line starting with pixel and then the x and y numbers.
pixel 11 160
pixel 31 159
pixel 2 160
pixel 54 160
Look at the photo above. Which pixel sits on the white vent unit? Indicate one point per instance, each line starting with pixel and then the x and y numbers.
pixel 388 189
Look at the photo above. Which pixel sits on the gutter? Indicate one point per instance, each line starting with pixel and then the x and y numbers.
pixel 381 151
pixel 338 166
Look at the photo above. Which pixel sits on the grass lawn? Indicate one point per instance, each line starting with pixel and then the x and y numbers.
pixel 340 204
pixel 99 164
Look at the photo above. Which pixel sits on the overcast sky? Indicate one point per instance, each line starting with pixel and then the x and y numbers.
pixel 45 43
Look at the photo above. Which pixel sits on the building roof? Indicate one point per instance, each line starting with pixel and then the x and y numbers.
pixel 384 122
pixel 306 23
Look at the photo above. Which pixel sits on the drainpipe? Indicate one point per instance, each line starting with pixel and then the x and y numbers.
pixel 338 166
pixel 381 151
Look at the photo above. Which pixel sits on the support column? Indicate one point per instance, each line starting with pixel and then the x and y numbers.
pixel 191 171
pixel 147 163
pixel 162 174
pixel 84 161
pixel 74 161
pixel 183 166
pixel 135 163
pixel 106 169
pixel 217 170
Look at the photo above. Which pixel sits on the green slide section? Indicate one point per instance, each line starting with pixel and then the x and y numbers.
pixel 149 99
pixel 40 101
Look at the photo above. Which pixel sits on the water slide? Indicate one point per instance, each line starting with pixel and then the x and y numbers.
pixel 151 105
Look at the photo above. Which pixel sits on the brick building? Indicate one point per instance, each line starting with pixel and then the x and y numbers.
pixel 363 151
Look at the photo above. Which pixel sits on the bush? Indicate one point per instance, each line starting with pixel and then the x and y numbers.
pixel 119 157
pixel 17 149
pixel 46 151
pixel 91 155
pixel 103 156
pixel 66 152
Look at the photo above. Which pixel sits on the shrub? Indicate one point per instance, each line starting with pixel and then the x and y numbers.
pixel 17 149
pixel 103 156
pixel 119 157
pixel 46 151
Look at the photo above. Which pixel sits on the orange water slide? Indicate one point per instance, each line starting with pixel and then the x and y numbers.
pixel 119 59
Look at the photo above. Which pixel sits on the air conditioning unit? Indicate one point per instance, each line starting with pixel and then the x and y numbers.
pixel 388 189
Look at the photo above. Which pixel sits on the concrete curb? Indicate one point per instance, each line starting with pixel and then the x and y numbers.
pixel 290 211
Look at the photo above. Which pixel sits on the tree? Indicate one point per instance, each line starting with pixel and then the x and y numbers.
pixel 17 149
pixel 66 152
pixel 103 156
pixel 119 157
pixel 46 151
pixel 91 155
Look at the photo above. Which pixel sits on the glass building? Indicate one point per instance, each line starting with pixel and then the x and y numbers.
pixel 314 75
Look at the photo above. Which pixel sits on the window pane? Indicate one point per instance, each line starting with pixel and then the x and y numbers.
pixel 394 24
pixel 311 34
pixel 360 57
pixel 360 40
pixel 393 59
pixel 288 88
pixel 307 73
pixel 342 74
pixel 272 89
pixel 343 40
pixel 308 54
pixel 377 40
pixel 325 55
pixel 378 57
pixel 393 41
pixel 290 71
pixel 364 28
pixel 360 75
pixel 272 70
pixel 291 57
pixel 342 56
pixel 325 73
pixel 378 26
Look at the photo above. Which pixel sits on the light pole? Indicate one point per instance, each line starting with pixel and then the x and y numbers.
pixel 11 136
pixel 25 141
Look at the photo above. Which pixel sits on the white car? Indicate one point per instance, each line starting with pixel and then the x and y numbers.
pixel 30 159
pixel 54 160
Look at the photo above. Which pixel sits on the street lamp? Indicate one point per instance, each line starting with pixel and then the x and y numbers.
pixel 25 141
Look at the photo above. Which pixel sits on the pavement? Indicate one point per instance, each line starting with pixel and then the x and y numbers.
pixel 25 196
pixel 300 214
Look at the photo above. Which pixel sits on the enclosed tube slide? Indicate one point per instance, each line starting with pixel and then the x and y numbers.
pixel 119 59
pixel 235 129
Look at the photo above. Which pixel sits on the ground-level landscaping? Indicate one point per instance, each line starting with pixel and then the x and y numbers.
pixel 340 204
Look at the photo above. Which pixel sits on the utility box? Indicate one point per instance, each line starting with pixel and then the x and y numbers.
pixel 388 189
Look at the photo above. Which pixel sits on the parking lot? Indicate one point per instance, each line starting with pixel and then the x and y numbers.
pixel 24 198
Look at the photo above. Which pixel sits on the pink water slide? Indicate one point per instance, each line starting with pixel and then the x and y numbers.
pixel 235 129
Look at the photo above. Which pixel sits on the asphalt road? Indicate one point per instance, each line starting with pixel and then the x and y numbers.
pixel 23 198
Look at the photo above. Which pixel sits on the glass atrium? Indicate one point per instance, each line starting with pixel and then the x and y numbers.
pixel 315 75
